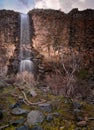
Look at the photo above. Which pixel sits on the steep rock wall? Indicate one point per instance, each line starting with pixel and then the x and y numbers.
pixel 50 30
pixel 54 30
pixel 81 35
pixel 9 39
pixel 81 28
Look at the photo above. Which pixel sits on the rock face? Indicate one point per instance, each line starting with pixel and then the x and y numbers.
pixel 50 31
pixel 81 28
pixel 54 30
pixel 76 28
pixel 9 35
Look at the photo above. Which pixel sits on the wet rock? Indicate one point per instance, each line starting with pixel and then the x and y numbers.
pixel 35 117
pixel 22 128
pixel 37 128
pixel 82 123
pixel 45 107
pixel 1 115
pixel 19 111
pixel 49 117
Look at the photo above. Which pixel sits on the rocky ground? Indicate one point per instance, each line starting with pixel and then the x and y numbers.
pixel 38 109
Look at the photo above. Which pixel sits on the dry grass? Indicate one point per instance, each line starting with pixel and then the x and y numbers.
pixel 25 78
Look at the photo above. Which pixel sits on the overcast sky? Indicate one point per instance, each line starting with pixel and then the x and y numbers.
pixel 64 5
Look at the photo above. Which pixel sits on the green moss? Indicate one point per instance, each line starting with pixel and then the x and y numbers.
pixel 60 104
pixel 7 89
pixel 11 128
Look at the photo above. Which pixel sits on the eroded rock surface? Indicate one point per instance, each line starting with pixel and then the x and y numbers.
pixel 9 40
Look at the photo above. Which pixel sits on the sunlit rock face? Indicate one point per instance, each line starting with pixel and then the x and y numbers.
pixel 52 28
pixel 9 33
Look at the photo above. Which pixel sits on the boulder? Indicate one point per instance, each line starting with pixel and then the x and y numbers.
pixel 19 111
pixel 35 117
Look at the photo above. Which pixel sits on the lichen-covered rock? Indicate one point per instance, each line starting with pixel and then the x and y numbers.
pixel 35 117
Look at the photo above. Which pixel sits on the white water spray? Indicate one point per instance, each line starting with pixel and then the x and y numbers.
pixel 25 49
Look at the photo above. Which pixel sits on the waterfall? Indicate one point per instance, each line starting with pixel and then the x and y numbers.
pixel 25 49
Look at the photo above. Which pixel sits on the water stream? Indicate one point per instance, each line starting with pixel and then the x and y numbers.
pixel 25 48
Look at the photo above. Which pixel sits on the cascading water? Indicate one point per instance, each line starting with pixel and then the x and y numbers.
pixel 25 49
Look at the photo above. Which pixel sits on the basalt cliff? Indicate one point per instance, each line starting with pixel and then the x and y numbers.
pixel 47 70
pixel 50 30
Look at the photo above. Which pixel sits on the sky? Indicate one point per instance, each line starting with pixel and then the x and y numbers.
pixel 24 6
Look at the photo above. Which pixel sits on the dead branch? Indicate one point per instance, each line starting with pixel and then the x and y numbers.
pixel 71 61
pixel 25 102
pixel 14 95
pixel 64 66
pixel 30 103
